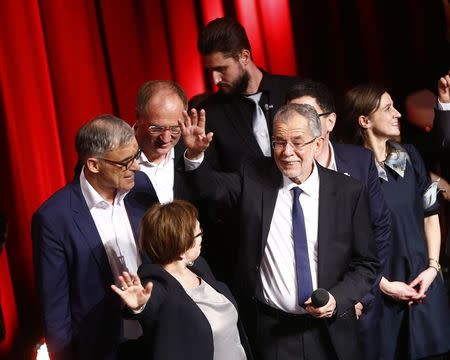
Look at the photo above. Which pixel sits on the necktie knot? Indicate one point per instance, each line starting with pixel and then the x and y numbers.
pixel 297 191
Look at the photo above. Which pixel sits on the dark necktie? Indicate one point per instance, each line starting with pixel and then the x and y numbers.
pixel 304 282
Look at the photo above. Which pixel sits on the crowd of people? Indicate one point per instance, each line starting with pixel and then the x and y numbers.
pixel 313 248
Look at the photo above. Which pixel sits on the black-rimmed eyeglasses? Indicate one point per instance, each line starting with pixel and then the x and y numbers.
pixel 297 145
pixel 325 113
pixel 124 164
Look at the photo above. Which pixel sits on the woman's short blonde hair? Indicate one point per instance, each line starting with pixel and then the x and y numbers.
pixel 167 231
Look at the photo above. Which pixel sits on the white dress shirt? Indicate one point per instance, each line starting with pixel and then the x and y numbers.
pixel 161 175
pixel 259 125
pixel 278 272
pixel 114 228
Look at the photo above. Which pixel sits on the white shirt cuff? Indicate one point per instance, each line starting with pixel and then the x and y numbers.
pixel 190 165
pixel 443 106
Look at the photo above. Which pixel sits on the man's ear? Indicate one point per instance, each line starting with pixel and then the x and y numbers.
pixel 364 122
pixel 244 57
pixel 331 122
pixel 318 143
pixel 93 165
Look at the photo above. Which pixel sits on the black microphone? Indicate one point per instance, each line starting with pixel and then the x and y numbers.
pixel 319 297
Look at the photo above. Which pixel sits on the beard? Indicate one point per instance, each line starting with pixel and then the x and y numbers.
pixel 237 87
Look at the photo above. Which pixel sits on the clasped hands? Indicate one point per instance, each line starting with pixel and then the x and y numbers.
pixel 412 293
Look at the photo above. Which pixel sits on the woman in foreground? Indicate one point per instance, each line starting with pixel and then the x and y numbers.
pixel 184 311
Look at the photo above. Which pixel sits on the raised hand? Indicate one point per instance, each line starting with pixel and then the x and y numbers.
pixel 444 88
pixel 131 291
pixel 193 132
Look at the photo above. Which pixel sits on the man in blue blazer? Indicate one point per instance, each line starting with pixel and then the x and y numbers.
pixel 358 163
pixel 84 236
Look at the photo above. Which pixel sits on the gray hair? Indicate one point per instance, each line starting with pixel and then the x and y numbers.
pixel 102 134
pixel 287 111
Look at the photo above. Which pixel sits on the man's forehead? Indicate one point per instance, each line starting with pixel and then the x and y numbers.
pixel 295 123
pixel 125 151
pixel 216 59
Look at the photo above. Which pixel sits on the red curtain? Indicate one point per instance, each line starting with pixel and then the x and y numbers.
pixel 63 62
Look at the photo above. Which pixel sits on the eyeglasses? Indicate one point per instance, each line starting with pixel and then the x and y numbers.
pixel 158 130
pixel 124 164
pixel 281 144
pixel 325 113
pixel 199 234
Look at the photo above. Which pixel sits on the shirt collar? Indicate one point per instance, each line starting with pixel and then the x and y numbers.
pixel 396 161
pixel 310 186
pixel 143 160
pixel 93 198
pixel 332 165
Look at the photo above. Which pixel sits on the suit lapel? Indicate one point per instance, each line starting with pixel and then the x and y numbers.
pixel 326 221
pixel 341 164
pixel 87 228
pixel 179 187
pixel 270 189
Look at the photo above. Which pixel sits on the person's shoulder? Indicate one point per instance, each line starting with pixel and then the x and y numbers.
pixel 340 180
pixel 258 164
pixel 277 81
pixel 155 273
pixel 409 148
pixel 350 150
pixel 214 100
pixel 351 147
pixel 283 78
pixel 60 200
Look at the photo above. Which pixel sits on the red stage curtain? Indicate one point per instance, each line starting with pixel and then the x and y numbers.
pixel 63 62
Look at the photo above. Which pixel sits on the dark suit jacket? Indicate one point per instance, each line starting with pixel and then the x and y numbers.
pixel 441 128
pixel 174 326
pixel 359 163
pixel 230 118
pixel 81 314
pixel 347 262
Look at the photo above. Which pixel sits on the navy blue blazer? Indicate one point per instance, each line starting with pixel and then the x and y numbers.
pixel 359 163
pixel 81 314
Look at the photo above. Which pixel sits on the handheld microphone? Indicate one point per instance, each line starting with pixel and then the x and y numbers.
pixel 319 297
